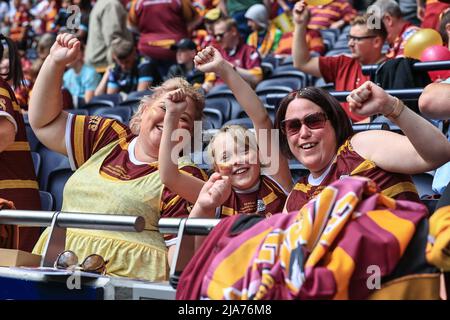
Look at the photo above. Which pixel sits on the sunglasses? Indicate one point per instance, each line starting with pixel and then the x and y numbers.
pixel 313 121
pixel 219 36
pixel 358 39
pixel 93 263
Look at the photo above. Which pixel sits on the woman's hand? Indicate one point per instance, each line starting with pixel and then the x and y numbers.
pixel 370 99
pixel 175 102
pixel 214 193
pixel 300 13
pixel 209 60
pixel 65 49
pixel 5 204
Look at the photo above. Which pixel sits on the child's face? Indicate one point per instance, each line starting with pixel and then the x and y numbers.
pixel 185 55
pixel 237 161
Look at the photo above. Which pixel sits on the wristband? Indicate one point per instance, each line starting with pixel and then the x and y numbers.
pixel 396 110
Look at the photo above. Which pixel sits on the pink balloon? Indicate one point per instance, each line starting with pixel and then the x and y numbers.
pixel 436 53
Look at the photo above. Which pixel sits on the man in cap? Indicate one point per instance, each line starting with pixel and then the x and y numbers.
pixel 186 50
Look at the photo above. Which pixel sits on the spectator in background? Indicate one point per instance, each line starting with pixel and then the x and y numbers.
pixel 429 12
pixel 333 15
pixel 81 79
pixel 186 50
pixel 17 176
pixel 205 38
pixel 20 25
pixel 365 45
pixel 265 36
pixel 434 103
pixel 236 9
pixel 130 71
pixel 243 57
pixel 106 23
pixel 160 25
pixel 399 31
pixel 409 10
pixel 444 28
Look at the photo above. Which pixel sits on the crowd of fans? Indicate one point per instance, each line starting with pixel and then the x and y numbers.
pixel 58 56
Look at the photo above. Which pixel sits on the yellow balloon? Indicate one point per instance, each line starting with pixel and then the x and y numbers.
pixel 421 40
pixel 318 2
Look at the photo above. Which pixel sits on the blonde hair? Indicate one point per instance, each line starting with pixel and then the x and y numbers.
pixel 241 136
pixel 167 86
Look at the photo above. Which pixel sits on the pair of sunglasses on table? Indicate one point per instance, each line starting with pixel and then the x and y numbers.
pixel 313 121
pixel 93 263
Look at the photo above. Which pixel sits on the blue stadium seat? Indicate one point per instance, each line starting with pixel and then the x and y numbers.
pixel 124 113
pixel 295 73
pixel 138 94
pixel 320 83
pixel 46 200
pixel 56 182
pixel 50 161
pixel 293 83
pixel 32 139
pixel 115 98
pixel 423 182
pixel 270 88
pixel 213 116
pixel 36 162
pixel 297 169
pixel 91 107
pixel 337 52
pixel 83 112
pixel 223 104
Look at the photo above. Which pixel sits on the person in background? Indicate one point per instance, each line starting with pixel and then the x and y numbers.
pixel 186 50
pixel 243 57
pixel 334 15
pixel 399 30
pixel 265 36
pixel 130 71
pixel 81 79
pixel 205 38
pixel 429 12
pixel 107 22
pixel 17 176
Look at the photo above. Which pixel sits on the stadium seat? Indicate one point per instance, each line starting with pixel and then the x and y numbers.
pixel 138 94
pixel 270 87
pixel 320 83
pixel 293 83
pixel 220 103
pixel 297 169
pixel 91 107
pixel 123 112
pixel 50 160
pixel 32 139
pixel 303 77
pixel 329 35
pixel 286 61
pixel 285 67
pixel 46 200
pixel 36 162
pixel 83 112
pixel 56 182
pixel 423 182
pixel 214 117
pixel 115 98
pixel 337 52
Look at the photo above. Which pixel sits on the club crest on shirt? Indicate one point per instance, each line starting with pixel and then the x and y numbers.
pixel 2 104
pixel 93 123
pixel 260 206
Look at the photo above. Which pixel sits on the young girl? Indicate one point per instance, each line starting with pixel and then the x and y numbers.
pixel 234 152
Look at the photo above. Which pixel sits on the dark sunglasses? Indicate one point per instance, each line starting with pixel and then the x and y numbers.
pixel 219 36
pixel 358 39
pixel 93 263
pixel 313 121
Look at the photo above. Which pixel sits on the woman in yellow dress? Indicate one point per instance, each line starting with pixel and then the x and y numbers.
pixel 116 167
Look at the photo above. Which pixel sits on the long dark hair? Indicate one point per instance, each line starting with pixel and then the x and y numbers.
pixel 335 113
pixel 15 68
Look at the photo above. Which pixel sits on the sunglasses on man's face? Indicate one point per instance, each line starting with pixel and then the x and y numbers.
pixel 358 39
pixel 93 263
pixel 219 36
pixel 313 121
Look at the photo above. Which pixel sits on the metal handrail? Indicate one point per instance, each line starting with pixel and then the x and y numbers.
pixel 73 220
pixel 418 66
pixel 193 226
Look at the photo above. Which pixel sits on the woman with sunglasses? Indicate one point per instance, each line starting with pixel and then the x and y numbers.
pixel 116 167
pixel 318 133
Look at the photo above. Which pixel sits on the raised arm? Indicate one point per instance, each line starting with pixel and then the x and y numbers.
pixel 210 60
pixel 188 187
pixel 423 148
pixel 300 50
pixel 45 111
pixel 434 102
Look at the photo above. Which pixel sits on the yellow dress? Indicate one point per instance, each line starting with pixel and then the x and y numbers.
pixel 137 255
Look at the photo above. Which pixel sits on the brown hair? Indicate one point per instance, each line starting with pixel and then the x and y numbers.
pixel 229 23
pixel 168 85
pixel 445 19
pixel 122 48
pixel 335 113
pixel 364 20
